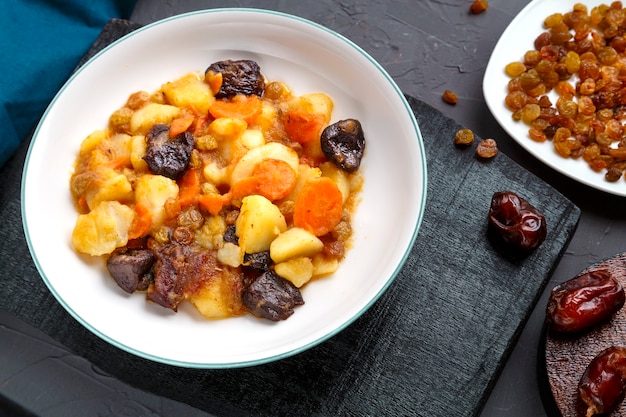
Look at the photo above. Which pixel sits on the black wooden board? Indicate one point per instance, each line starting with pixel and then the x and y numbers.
pixel 432 345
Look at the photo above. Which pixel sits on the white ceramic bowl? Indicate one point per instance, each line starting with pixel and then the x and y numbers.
pixel 309 58
pixel 518 38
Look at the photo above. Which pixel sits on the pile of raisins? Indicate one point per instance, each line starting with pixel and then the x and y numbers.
pixel 579 59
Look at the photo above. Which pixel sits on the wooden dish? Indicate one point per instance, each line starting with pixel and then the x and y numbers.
pixel 567 356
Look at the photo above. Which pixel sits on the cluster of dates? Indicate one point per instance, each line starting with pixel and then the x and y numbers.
pixel 577 305
pixel 574 306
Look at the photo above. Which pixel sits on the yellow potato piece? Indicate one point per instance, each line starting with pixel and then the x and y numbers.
pixel 297 270
pixel 230 254
pixel 323 265
pixel 219 297
pixel 152 191
pixel 92 141
pixel 314 103
pixel 151 114
pixel 138 151
pixel 116 187
pixel 189 91
pixel 103 229
pixel 258 224
pixel 227 128
pixel 295 242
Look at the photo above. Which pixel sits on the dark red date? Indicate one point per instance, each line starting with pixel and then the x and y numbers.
pixel 583 301
pixel 516 221
pixel 602 385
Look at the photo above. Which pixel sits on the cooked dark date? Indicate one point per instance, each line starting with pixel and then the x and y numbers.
pixel 584 301
pixel 343 143
pixel 602 385
pixel 238 77
pixel 167 156
pixel 518 223
pixel 230 235
pixel 259 260
pixel 131 268
pixel 272 297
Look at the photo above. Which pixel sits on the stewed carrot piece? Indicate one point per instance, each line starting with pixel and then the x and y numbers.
pixel 239 107
pixel 303 127
pixel 276 178
pixel 189 188
pixel 141 223
pixel 319 206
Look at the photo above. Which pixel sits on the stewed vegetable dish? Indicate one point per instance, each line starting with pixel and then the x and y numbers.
pixel 222 189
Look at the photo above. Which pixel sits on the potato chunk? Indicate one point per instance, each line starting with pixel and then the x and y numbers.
pixel 297 270
pixel 103 229
pixel 323 265
pixel 220 296
pixel 295 242
pixel 138 151
pixel 150 115
pixel 189 91
pixel 258 224
pixel 92 141
pixel 314 103
pixel 152 191
pixel 115 187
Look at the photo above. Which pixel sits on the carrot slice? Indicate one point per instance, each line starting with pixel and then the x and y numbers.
pixel 303 127
pixel 215 81
pixel 181 124
pixel 141 223
pixel 120 162
pixel 214 203
pixel 239 107
pixel 319 206
pixel 199 123
pixel 276 178
pixel 244 187
pixel 189 188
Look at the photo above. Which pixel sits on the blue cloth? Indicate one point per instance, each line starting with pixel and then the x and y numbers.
pixel 41 41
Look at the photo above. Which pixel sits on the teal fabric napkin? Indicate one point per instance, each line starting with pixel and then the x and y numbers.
pixel 41 41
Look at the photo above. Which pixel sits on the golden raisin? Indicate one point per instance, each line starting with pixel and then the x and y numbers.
pixel 479 6
pixel 538 135
pixel 579 57
pixel 487 148
pixel 572 62
pixel 553 20
pixel 515 100
pixel 464 137
pixel 530 112
pixel 450 97
pixel 137 100
pixel 515 69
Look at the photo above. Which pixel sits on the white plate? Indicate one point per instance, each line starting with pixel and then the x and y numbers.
pixel 518 38
pixel 309 58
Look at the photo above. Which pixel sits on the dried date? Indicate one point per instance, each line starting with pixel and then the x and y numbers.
pixel 584 301
pixel 238 77
pixel 602 385
pixel 343 143
pixel 518 223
